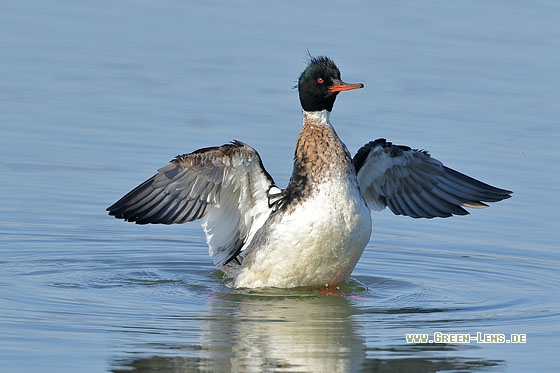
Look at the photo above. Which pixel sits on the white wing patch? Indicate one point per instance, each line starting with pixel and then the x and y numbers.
pixel 240 211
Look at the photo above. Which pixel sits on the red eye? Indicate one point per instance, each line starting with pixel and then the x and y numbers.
pixel 320 80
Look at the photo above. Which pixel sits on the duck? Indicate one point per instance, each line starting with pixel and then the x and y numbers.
pixel 313 232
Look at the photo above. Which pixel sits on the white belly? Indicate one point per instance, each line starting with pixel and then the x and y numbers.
pixel 317 244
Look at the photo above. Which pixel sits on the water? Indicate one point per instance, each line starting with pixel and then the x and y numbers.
pixel 96 96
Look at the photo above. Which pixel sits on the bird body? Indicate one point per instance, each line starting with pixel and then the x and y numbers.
pixel 313 232
pixel 318 235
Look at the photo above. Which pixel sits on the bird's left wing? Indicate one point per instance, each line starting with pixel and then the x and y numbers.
pixel 226 187
pixel 413 183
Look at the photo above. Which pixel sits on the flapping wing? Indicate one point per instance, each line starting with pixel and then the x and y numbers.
pixel 226 187
pixel 413 183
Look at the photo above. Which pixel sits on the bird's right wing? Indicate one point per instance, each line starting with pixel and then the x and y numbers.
pixel 226 187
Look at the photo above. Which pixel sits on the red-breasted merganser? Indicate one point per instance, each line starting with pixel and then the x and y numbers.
pixel 313 232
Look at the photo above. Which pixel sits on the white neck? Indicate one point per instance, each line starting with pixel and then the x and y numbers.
pixel 318 117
